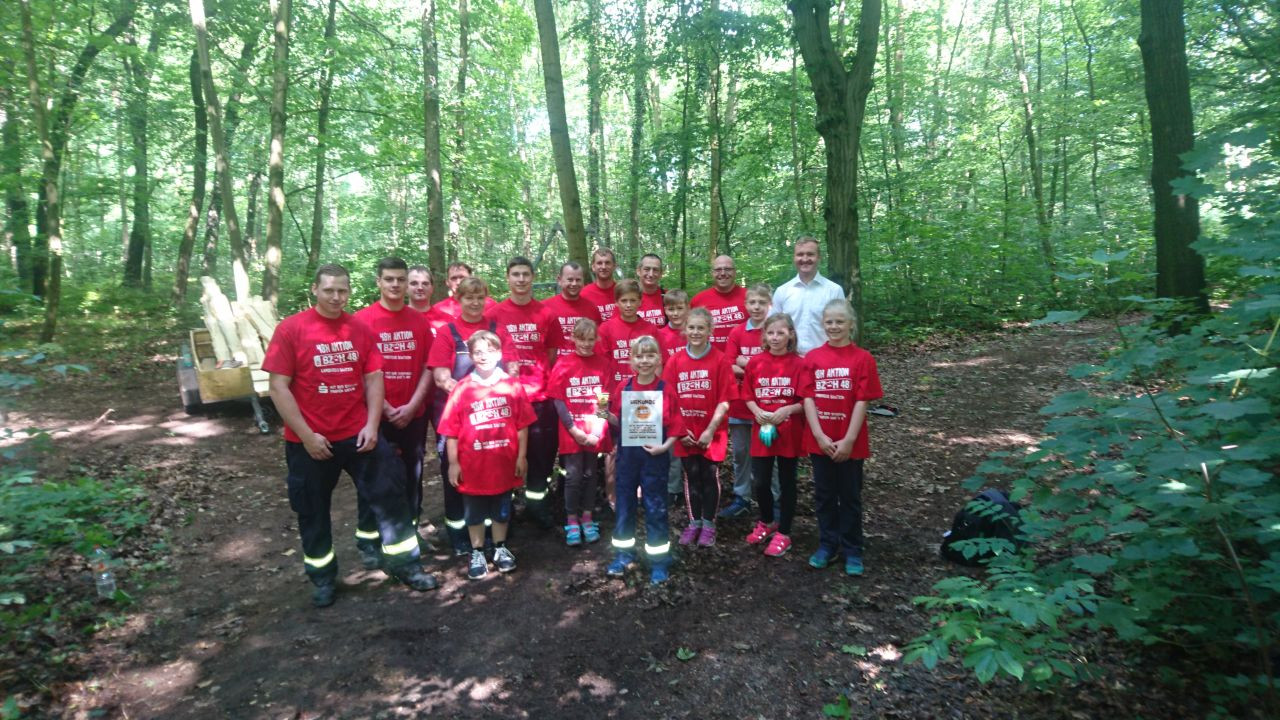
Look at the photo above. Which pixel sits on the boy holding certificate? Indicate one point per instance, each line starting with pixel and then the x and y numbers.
pixel 641 406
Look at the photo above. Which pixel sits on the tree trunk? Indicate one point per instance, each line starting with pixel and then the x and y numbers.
pixel 457 218
pixel 841 96
pixel 896 79
pixel 239 272
pixel 713 123
pixel 1093 104
pixel 639 103
pixel 281 19
pixel 200 163
pixel 1033 149
pixel 139 72
pixel 1179 268
pixel 595 125
pixel 431 146
pixel 53 131
pixel 17 230
pixel 322 143
pixel 806 223
pixel 575 234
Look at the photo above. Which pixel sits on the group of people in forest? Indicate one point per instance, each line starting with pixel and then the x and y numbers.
pixel 620 380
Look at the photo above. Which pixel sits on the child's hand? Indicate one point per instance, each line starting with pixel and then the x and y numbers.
pixel 738 372
pixel 455 474
pixel 654 450
pixel 764 417
pixel 688 440
pixel 843 449
pixel 592 441
pixel 580 437
pixel 522 467
pixel 827 445
pixel 704 440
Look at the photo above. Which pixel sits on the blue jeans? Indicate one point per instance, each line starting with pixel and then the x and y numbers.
pixel 637 468
pixel 837 491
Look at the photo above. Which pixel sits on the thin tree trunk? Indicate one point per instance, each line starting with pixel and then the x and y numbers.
pixel 457 218
pixel 17 230
pixel 806 223
pixel 897 92
pixel 639 103
pixel 841 96
pixel 239 272
pixel 1033 149
pixel 322 143
pixel 1179 268
pixel 575 234
pixel 1093 104
pixel 200 164
pixel 122 192
pixel 713 123
pixel 431 145
pixel 139 71
pixel 595 124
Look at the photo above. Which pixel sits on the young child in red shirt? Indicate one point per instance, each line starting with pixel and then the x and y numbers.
pixel 486 429
pixel 578 384
pixel 675 303
pixel 743 344
pixel 844 382
pixel 773 385
pixel 704 386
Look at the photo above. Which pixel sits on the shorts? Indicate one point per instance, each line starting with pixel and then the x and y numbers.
pixel 478 508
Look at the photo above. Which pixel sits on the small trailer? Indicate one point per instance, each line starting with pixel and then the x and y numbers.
pixel 201 382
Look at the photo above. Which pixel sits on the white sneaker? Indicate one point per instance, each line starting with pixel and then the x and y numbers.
pixel 504 560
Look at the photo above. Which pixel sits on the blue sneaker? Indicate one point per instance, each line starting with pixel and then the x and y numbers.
pixel 853 565
pixel 736 509
pixel 619 566
pixel 591 531
pixel 658 575
pixel 821 558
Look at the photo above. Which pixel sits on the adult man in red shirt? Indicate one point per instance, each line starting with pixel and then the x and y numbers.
pixel 448 308
pixel 421 286
pixel 600 292
pixel 326 383
pixel 529 339
pixel 725 300
pixel 571 304
pixel 649 273
pixel 402 337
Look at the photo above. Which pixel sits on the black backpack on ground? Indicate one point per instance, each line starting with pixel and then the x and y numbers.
pixel 990 516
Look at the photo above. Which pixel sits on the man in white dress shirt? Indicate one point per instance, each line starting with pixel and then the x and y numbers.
pixel 804 296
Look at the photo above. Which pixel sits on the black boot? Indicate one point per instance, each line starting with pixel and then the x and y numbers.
pixel 370 557
pixel 323 594
pixel 415 578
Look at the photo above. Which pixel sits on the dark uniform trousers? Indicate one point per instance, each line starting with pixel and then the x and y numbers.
pixel 409 445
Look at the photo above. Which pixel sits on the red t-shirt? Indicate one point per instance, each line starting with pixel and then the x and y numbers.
pixel 326 360
pixel 444 348
pixel 775 381
pixel 579 381
pixel 696 387
pixel 603 299
pixel 565 313
pixel 728 311
pixel 743 342
pixel 615 343
pixel 671 340
pixel 652 310
pixel 403 338
pixel 526 336
pixel 670 421
pixel 486 420
pixel 449 309
pixel 840 377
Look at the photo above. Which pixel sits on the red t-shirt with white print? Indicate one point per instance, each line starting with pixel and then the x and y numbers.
pixel 526 337
pixel 579 381
pixel 615 342
pixel 403 338
pixel 743 342
pixel 564 314
pixel 697 386
pixel 486 419
pixel 326 360
pixel 840 378
pixel 728 311
pixel 773 382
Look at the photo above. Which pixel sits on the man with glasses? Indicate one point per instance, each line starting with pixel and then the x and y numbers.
pixel 725 300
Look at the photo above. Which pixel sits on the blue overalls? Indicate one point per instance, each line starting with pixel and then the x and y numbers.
pixel 637 468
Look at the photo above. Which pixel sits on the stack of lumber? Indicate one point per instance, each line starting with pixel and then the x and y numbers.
pixel 240 331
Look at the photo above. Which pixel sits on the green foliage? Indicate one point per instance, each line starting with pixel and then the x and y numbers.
pixel 1153 502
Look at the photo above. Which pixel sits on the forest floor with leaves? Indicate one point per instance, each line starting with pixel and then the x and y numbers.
pixel 224 627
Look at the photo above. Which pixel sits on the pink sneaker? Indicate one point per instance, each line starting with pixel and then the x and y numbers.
pixel 690 534
pixel 760 532
pixel 778 546
pixel 708 536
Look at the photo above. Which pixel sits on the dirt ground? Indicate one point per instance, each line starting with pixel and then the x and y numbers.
pixel 227 630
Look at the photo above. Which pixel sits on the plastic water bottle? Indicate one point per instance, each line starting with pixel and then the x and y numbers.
pixel 103 578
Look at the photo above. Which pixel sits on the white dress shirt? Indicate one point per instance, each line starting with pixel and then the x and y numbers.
pixel 804 302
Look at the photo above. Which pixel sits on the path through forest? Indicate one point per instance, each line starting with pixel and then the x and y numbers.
pixel 227 630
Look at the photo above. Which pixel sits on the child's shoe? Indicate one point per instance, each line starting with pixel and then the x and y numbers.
pixel 619 566
pixel 504 560
pixel 853 565
pixel 572 535
pixel 479 567
pixel 690 534
pixel 760 532
pixel 707 537
pixel 658 575
pixel 821 558
pixel 778 546
pixel 591 531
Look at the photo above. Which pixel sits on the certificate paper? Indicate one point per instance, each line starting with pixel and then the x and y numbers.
pixel 641 417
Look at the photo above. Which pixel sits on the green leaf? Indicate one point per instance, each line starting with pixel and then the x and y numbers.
pixel 1008 664
pixel 1060 317
pixel 858 650
pixel 1094 564
pixel 838 709
pixel 10 597
pixel 1102 257
pixel 685 654
pixel 1232 409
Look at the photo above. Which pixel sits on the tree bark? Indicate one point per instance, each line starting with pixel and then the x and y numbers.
pixel 322 142
pixel 17 230
pixel 231 120
pixel 713 123
pixel 575 234
pixel 1033 145
pixel 806 223
pixel 457 218
pixel 595 125
pixel 137 97
pixel 841 96
pixel 1093 105
pixel 281 20
pixel 200 169
pixel 53 131
pixel 431 145
pixel 639 103
pixel 1179 268
pixel 239 272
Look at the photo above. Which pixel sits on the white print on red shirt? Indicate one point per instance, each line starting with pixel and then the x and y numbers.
pixel 692 380
pixel 833 379
pixel 489 410
pixel 524 333
pixel 774 387
pixel 339 352
pixel 588 386
pixel 731 315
